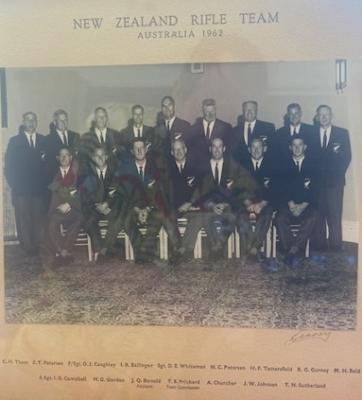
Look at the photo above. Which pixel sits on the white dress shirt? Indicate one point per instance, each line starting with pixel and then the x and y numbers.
pixel 64 171
pixel 31 137
pixel 61 135
pixel 246 126
pixel 300 161
pixel 135 131
pixel 295 129
pixel 104 171
pixel 220 164
pixel 101 133
pixel 180 166
pixel 169 122
pixel 321 134
pixel 211 126
pixel 257 162
pixel 141 165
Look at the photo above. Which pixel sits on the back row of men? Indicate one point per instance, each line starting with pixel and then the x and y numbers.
pixel 212 174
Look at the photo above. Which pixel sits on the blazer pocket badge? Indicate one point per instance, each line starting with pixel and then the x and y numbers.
pixel 263 138
pixel 190 181
pixel 151 183
pixel 229 183
pixel 111 192
pixel 42 155
pixel 336 147
pixel 307 182
pixel 266 182
pixel 73 192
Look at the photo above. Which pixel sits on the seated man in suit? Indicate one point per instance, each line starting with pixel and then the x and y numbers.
pixel 220 195
pixel 206 129
pixel 261 207
pixel 247 128
pixel 135 129
pixel 147 205
pixel 298 201
pixel 65 210
pixel 102 199
pixel 293 126
pixel 59 136
pixel 99 135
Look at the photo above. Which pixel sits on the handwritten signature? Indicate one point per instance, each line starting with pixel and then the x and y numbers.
pixel 302 335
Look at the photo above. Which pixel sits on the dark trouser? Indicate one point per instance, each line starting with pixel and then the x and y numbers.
pixel 29 217
pixel 329 211
pixel 306 220
pixel 145 246
pixel 254 238
pixel 217 227
pixel 91 226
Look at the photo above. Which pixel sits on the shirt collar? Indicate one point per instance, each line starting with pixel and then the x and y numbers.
pixel 300 160
pixel 257 161
pixel 293 128
pixel 170 121
pixel 104 170
pixel 252 124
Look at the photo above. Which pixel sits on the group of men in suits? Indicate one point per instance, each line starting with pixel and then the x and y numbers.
pixel 214 176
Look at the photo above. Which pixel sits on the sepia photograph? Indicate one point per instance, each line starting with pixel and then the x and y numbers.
pixel 208 194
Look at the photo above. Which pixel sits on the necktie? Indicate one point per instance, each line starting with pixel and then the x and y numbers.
pixel 298 166
pixel 65 139
pixel 138 132
pixel 168 126
pixel 32 142
pixel 102 138
pixel 249 134
pixel 63 173
pixel 208 130
pixel 141 171
pixel 295 131
pixel 180 168
pixel 325 139
pixel 257 166
pixel 102 176
pixel 216 173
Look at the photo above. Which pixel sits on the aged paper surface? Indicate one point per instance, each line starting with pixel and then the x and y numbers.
pixel 64 361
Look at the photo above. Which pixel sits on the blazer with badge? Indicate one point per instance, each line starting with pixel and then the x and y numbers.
pixel 54 143
pixel 332 162
pixel 266 177
pixel 25 167
pixel 64 190
pixel 126 137
pixel 236 185
pixel 298 186
pixel 262 129
pixel 182 184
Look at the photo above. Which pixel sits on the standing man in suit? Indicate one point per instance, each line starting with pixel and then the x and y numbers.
pixel 249 127
pixel 99 135
pixel 135 129
pixel 332 150
pixel 65 210
pixel 102 199
pixel 59 136
pixel 220 196
pixel 261 207
pixel 206 129
pixel 293 126
pixel 148 206
pixel 25 171
pixel 298 200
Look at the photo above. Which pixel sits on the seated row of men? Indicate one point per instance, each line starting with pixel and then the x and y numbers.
pixel 211 174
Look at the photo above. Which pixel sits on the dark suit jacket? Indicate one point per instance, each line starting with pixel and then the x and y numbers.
pixel 282 139
pixel 93 191
pixel 64 190
pixel 331 163
pixel 182 185
pixel 53 143
pixel 266 177
pixel 262 129
pixel 126 137
pixel 298 186
pixel 148 192
pixel 236 185
pixel 89 141
pixel 199 144
pixel 25 167
pixel 163 138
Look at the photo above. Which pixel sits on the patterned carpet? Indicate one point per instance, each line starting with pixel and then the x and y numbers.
pixel 319 295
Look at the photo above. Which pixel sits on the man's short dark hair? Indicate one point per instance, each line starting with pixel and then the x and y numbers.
pixel 294 105
pixel 295 137
pixel 30 113
pixel 59 112
pixel 64 147
pixel 138 139
pixel 324 106
pixel 137 106
pixel 172 100
pixel 250 101
pixel 178 138
pixel 256 139
pixel 208 102
pixel 217 138
pixel 100 109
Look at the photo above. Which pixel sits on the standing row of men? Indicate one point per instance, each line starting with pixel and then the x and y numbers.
pixel 215 176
